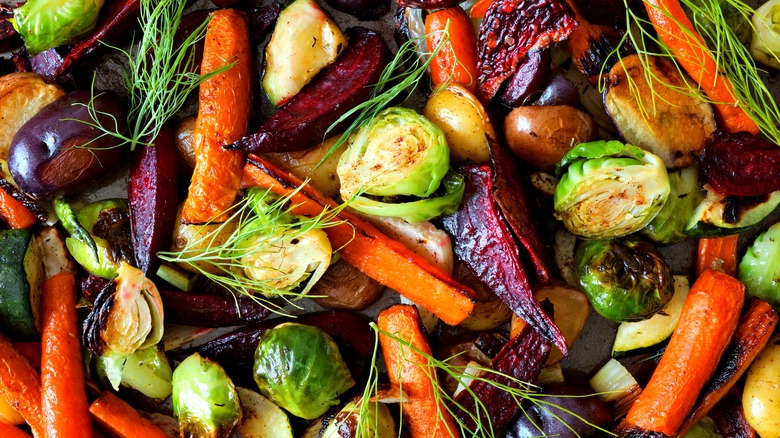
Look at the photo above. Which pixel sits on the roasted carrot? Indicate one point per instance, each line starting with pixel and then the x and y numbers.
pixel 456 60
pixel 8 431
pixel 223 118
pixel 678 33
pixel 121 419
pixel 8 414
pixel 64 397
pixel 708 319
pixel 14 212
pixel 20 385
pixel 410 371
pixel 718 253
pixel 479 10
pixel 32 351
pixel 516 325
pixel 366 248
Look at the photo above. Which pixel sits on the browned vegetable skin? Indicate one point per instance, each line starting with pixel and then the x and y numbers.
pixel 755 327
pixel 729 417
pixel 345 287
pixel 206 310
pixel 592 46
pixel 304 119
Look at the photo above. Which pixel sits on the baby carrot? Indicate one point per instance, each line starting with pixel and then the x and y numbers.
pixel 121 419
pixel 20 385
pixel 14 212
pixel 223 117
pixel 8 431
pixel 456 60
pixel 718 253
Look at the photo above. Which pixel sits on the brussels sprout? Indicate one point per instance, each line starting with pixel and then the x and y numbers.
pixel 765 45
pixel 205 401
pixel 373 421
pixel 624 280
pixel 760 266
pixel 146 371
pixel 668 225
pixel 703 429
pixel 44 24
pixel 299 368
pixel 420 210
pixel 399 152
pixel 609 189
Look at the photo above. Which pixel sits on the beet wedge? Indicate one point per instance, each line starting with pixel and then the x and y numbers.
pixel 522 358
pixel 512 28
pixel 209 310
pixel 153 199
pixel 365 247
pixel 302 122
pixel 484 242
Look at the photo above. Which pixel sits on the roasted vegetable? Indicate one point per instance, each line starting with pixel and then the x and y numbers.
pixel 741 164
pixel 373 420
pixel 208 310
pixel 80 153
pixel 761 398
pixel 315 165
pixel 765 44
pixel 760 266
pixel 362 9
pixel 624 280
pixel 20 299
pixel 304 42
pixel 205 401
pixel 343 286
pixel 261 417
pixel 608 189
pixel 146 371
pixel 718 215
pixel 527 82
pixel 299 368
pixel 668 226
pixel 44 24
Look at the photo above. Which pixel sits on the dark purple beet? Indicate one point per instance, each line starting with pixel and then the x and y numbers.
pixel 207 310
pixel 362 9
pixel 741 164
pixel 527 82
pixel 558 91
pixel 56 152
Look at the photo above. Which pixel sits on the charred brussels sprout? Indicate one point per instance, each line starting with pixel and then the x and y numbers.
pixel 760 266
pixel 624 280
pixel 376 421
pixel 205 401
pixel 609 189
pixel 299 368
pixel 44 24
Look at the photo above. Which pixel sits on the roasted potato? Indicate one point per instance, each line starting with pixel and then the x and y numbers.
pixel 303 164
pixel 761 397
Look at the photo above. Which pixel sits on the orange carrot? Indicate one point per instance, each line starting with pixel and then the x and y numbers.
pixel 14 212
pixel 516 326
pixel 121 419
pixel 64 400
pixel 708 319
pixel 8 431
pixel 480 8
pixel 456 61
pixel 678 33
pixel 223 118
pixel 20 385
pixel 718 253
pixel 32 351
pixel 366 248
pixel 409 370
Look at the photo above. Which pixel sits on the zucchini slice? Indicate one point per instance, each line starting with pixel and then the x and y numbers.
pixel 262 418
pixel 16 311
pixel 719 215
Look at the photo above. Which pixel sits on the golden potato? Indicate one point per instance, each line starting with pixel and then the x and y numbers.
pixel 22 95
pixel 303 164
pixel 464 121
pixel 185 132
pixel 761 397
pixel 541 135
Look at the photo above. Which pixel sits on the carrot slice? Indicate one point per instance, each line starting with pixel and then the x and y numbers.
pixel 480 8
pixel 223 118
pixel 678 33
pixel 8 431
pixel 456 61
pixel 366 248
pixel 20 385
pixel 718 253
pixel 14 212
pixel 410 371
pixel 64 402
pixel 121 419
pixel 708 319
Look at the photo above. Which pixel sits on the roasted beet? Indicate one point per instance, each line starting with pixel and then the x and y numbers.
pixel 558 91
pixel 56 151
pixel 741 164
pixel 511 29
pixel 302 122
pixel 527 82
pixel 562 415
pixel 153 198
pixel 206 310
pixel 362 9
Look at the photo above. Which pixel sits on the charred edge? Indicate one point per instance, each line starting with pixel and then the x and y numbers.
pixel 113 225
pixel 625 430
pixel 736 206
pixel 35 208
pixel 729 418
pixel 281 179
pixel 97 319
pixel 602 51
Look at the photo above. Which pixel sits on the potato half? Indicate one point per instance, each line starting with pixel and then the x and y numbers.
pixel 22 95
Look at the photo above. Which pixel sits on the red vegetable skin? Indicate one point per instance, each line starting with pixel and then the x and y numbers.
pixel 741 164
pixel 528 80
pixel 483 240
pixel 153 198
pixel 522 358
pixel 206 310
pixel 301 123
pixel 510 30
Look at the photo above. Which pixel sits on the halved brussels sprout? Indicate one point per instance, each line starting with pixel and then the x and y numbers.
pixel 624 280
pixel 609 189
pixel 146 371
pixel 398 153
pixel 760 266
pixel 205 401
pixel 300 368
pixel 374 421
pixel 765 45
pixel 668 226
pixel 44 24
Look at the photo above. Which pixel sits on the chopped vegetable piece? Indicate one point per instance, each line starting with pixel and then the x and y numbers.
pixel 20 385
pixel 718 253
pixel 44 24
pixel 759 268
pixel 121 419
pixel 765 44
pixel 456 61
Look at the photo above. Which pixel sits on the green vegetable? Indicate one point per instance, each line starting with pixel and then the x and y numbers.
pixel 717 215
pixel 765 45
pixel 609 189
pixel 44 24
pixel 735 18
pixel 397 153
pixel 624 280
pixel 703 429
pixel 378 423
pixel 420 210
pixel 299 368
pixel 760 266
pixel 16 309
pixel 146 371
pixel 668 225
pixel 205 401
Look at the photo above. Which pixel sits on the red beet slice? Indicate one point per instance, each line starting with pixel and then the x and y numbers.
pixel 208 310
pixel 741 164
pixel 528 80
